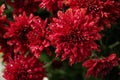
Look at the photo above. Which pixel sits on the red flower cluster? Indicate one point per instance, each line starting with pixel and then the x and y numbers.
pixel 28 6
pixel 101 67
pixel 73 34
pixel 19 67
pixel 24 68
pixel 27 33
pixel 72 30
pixel 107 10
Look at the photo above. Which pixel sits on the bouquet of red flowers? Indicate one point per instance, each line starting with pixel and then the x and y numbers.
pixel 60 39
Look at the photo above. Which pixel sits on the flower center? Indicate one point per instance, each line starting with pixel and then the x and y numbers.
pixel 74 36
pixel 22 34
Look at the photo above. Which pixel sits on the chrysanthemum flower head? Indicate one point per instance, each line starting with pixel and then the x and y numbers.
pixel 24 68
pixel 107 10
pixel 73 34
pixel 100 67
pixel 27 33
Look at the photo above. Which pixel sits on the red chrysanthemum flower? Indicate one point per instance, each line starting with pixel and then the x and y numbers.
pixel 107 10
pixel 27 33
pixel 73 34
pixel 100 67
pixel 24 68
pixel 28 6
pixel 52 5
